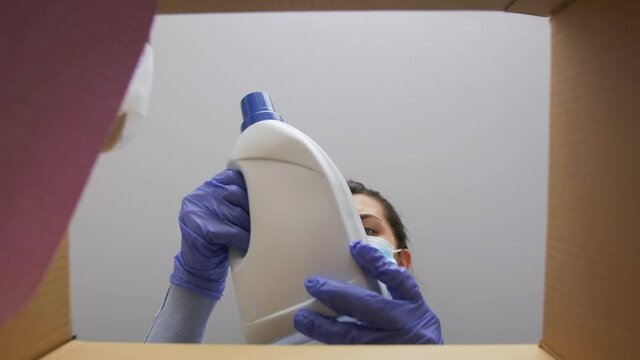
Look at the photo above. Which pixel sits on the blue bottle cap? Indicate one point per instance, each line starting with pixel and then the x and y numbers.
pixel 256 107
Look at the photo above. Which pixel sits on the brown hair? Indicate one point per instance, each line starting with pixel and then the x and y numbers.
pixel 389 211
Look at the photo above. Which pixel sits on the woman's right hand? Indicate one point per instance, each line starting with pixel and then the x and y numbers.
pixel 213 218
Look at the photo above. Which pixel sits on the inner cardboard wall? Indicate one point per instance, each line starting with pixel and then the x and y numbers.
pixel 45 323
pixel 592 289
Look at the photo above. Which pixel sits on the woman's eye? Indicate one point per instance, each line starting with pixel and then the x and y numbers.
pixel 369 231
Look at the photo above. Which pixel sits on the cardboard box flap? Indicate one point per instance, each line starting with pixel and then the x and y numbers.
pixel 592 288
pixel 534 7
pixel 122 351
pixel 65 69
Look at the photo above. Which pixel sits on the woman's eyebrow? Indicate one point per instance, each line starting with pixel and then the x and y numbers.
pixel 368 216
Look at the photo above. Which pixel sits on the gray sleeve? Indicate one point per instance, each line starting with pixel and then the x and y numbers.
pixel 182 318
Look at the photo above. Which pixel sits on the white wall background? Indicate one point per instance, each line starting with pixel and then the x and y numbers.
pixel 445 113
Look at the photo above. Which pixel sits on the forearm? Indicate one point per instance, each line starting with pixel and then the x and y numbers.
pixel 182 318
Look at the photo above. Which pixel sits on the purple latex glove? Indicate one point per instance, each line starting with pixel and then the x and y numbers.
pixel 212 218
pixel 405 319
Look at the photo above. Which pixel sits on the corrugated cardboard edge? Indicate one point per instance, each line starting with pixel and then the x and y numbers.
pixel 532 7
pixel 45 323
pixel 536 7
pixel 96 350
pixel 592 290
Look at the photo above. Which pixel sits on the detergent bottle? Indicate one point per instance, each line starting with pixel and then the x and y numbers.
pixel 302 220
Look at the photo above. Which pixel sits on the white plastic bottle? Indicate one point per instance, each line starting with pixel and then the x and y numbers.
pixel 302 220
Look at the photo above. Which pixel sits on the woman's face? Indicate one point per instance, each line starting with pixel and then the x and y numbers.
pixel 376 224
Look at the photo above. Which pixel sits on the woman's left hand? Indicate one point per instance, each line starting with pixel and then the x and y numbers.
pixel 405 319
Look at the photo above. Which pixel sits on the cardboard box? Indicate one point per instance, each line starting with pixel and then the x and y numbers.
pixel 592 290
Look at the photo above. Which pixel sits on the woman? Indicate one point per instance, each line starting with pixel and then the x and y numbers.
pixel 216 216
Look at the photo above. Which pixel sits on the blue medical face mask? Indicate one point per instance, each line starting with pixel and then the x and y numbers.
pixel 384 246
